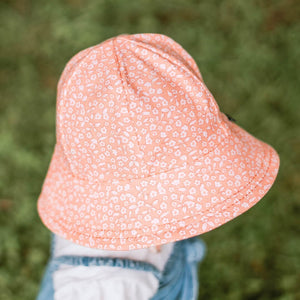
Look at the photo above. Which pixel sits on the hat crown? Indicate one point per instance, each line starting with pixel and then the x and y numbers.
pixel 134 106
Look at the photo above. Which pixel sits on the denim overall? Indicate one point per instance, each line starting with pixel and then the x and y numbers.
pixel 178 280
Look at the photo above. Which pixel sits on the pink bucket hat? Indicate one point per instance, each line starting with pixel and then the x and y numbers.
pixel 143 154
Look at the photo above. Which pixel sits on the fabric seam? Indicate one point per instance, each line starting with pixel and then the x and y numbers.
pixel 192 218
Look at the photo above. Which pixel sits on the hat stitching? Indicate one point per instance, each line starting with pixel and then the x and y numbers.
pixel 195 216
pixel 133 238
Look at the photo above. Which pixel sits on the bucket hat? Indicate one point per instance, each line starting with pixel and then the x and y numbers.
pixel 143 154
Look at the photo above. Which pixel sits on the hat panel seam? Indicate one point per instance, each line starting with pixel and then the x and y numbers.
pixel 124 84
pixel 173 46
pixel 179 65
pixel 161 54
pixel 59 128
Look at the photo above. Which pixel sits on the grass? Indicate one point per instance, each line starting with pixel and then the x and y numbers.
pixel 248 53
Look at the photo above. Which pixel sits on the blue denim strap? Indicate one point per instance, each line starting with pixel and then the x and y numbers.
pixel 179 280
pixel 106 261
pixel 47 290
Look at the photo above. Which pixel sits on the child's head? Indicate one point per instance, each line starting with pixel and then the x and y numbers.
pixel 144 156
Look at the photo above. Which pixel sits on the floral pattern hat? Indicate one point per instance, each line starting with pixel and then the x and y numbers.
pixel 143 154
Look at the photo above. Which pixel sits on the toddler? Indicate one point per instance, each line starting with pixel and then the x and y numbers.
pixel 144 162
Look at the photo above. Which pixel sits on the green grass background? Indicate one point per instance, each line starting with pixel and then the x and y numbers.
pixel 248 53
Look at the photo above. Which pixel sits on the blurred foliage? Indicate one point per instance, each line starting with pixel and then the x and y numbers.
pixel 248 53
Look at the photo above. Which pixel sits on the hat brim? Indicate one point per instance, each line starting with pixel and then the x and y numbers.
pixel 170 206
